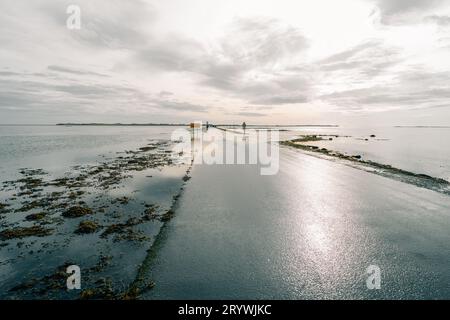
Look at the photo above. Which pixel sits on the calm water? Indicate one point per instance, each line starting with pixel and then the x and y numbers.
pixel 56 148
pixel 59 150
pixel 419 150
pixel 308 232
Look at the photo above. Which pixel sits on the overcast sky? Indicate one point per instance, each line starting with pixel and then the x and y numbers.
pixel 371 62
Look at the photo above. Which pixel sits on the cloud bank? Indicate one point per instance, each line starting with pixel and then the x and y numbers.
pixel 133 60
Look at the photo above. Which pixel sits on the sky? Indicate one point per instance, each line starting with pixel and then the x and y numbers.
pixel 348 62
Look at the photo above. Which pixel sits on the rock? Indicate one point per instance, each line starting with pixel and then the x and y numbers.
pixel 124 200
pixel 145 149
pixel 87 227
pixel 36 216
pixel 167 216
pixel 75 212
pixel 23 232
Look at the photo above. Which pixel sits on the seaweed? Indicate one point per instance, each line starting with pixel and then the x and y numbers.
pixel 42 286
pixel 167 216
pixel 4 207
pixel 49 200
pixel 23 232
pixel 36 216
pixel 308 138
pixel 86 227
pixel 123 200
pixel 124 231
pixel 103 262
pixel 76 212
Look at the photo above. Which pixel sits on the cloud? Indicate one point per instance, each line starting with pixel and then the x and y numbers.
pixel 164 93
pixel 134 58
pixel 349 53
pixel 111 24
pixel 179 106
pixel 244 64
pixel 44 94
pixel 365 60
pixel 398 12
pixel 411 89
pixel 73 71
pixel 250 114
pixel 280 100
pixel 443 21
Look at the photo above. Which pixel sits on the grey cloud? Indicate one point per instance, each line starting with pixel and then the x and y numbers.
pixel 252 46
pixel 82 90
pixel 442 21
pixel 363 61
pixel 390 7
pixel 173 54
pixel 40 93
pixel 411 89
pixel 73 71
pixel 165 94
pixel 262 41
pixel 259 62
pixel 250 114
pixel 13 100
pixel 396 12
pixel 180 106
pixel 342 65
pixel 9 73
pixel 111 24
pixel 280 100
pixel 349 53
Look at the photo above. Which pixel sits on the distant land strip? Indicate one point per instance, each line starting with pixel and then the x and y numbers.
pixel 437 127
pixel 186 124
pixel 122 124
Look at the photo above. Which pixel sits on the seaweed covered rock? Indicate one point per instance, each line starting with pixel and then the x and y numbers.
pixel 23 232
pixel 167 216
pixel 36 216
pixel 76 212
pixel 4 207
pixel 86 227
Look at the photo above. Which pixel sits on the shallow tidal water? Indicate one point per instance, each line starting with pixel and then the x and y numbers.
pixel 98 168
pixel 308 232
pixel 417 149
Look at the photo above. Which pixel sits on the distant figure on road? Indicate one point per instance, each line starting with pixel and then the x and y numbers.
pixel 207 125
pixel 244 125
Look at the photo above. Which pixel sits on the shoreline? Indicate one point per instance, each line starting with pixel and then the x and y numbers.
pixel 44 216
pixel 420 180
pixel 126 225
